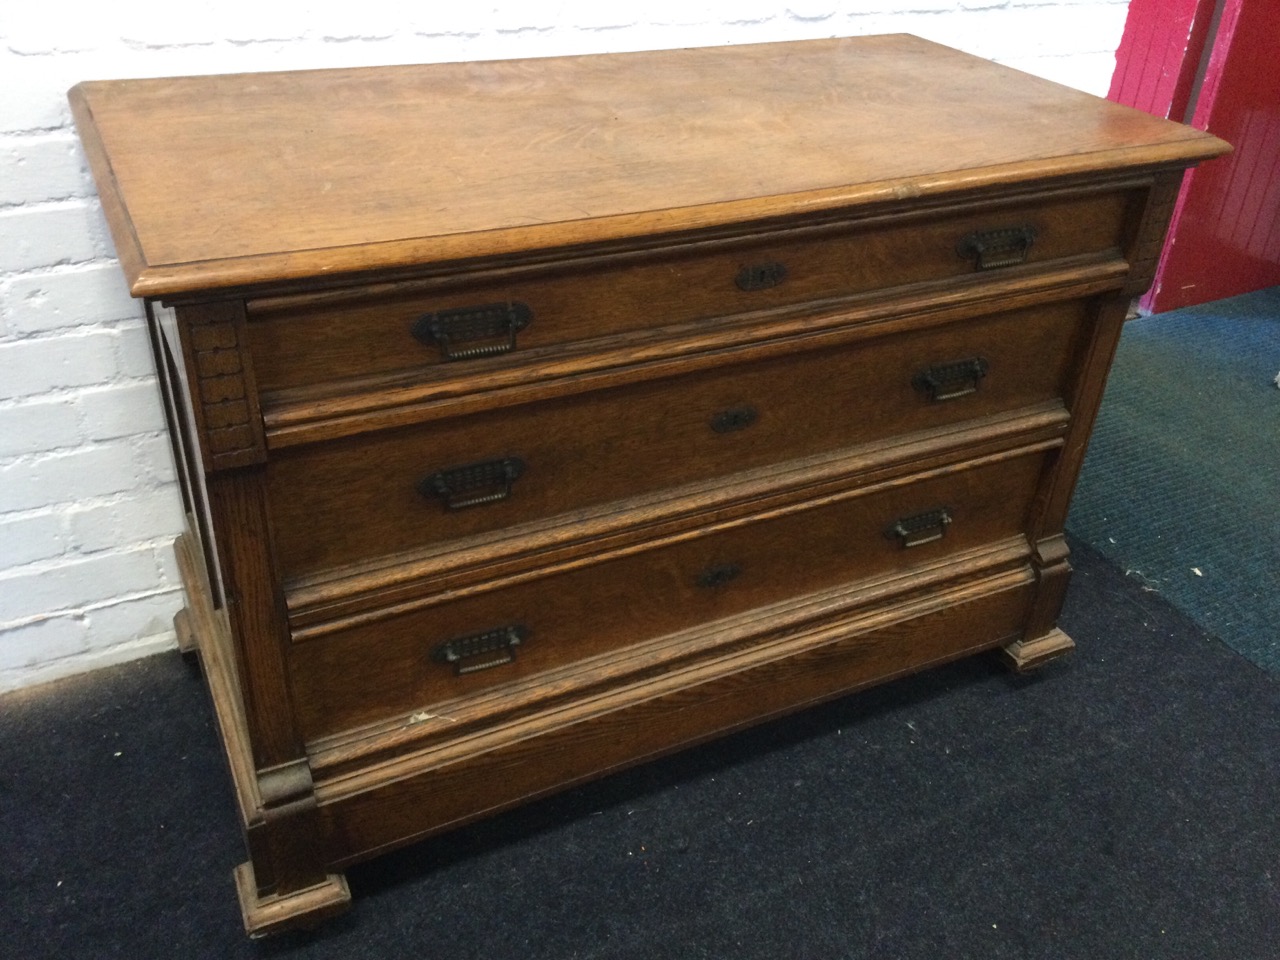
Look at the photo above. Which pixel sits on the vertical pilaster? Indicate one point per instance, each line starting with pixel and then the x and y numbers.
pixel 1042 640
pixel 286 861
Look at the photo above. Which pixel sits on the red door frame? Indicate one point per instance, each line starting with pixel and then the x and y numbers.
pixel 1159 56
pixel 1213 65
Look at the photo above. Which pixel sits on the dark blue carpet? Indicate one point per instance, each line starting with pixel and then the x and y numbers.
pixel 1181 487
pixel 1121 804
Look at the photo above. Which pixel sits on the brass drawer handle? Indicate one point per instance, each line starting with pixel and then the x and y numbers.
pixel 991 249
pixel 947 381
pixel 920 529
pixel 495 647
pixel 495 322
pixel 760 276
pixel 738 418
pixel 473 484
pixel 719 575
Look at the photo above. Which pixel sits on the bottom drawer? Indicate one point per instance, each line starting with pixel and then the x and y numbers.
pixel 457 781
pixel 460 646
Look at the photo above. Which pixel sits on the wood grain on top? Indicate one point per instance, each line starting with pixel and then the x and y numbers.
pixel 257 178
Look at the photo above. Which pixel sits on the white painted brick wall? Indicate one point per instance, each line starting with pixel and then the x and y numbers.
pixel 88 504
pixel 41 235
pixel 52 300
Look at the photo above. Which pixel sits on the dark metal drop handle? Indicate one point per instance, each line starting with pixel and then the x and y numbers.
pixel 481 651
pixel 474 484
pixel 496 323
pixel 915 531
pixel 947 381
pixel 991 249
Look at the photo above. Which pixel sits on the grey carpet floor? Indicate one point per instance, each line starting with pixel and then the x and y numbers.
pixel 1181 487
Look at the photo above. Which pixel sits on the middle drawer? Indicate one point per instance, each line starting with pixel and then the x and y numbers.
pixel 338 504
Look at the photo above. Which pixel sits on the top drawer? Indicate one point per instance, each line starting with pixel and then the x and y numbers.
pixel 326 338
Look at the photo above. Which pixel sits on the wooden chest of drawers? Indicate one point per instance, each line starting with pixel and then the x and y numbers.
pixel 538 417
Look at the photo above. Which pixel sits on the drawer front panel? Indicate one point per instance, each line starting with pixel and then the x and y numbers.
pixel 514 769
pixel 303 343
pixel 382 494
pixel 459 647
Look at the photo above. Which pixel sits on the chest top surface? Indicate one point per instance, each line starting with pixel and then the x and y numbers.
pixel 228 181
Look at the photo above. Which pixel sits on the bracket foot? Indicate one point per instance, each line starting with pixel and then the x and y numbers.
pixel 301 908
pixel 1023 656
pixel 188 646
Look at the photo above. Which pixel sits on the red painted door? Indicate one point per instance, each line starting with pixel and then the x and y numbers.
pixel 1160 54
pixel 1225 236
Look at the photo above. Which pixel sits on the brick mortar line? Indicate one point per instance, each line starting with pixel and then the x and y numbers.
pixel 73 331
pixel 71 554
pixel 70 393
pixel 50 52
pixel 134 46
pixel 89 503
pixel 40 456
pixel 81 330
pixel 60 511
pixel 62 560
pixel 66 127
pixel 27 205
pixel 32 458
pixel 59 394
pixel 66 134
pixel 49 566
pixel 68 265
pixel 86 610
pixel 149 546
pixel 61 268
pixel 55 205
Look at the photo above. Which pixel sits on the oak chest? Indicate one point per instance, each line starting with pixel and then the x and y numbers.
pixel 537 417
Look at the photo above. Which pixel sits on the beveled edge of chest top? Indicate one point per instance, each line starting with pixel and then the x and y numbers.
pixel 217 183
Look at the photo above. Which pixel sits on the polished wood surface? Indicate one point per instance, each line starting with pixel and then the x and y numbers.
pixel 793 662
pixel 318 339
pixel 310 174
pixel 445 391
pixel 591 609
pixel 333 509
pixel 811 340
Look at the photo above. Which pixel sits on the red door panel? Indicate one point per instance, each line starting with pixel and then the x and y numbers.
pixel 1225 237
